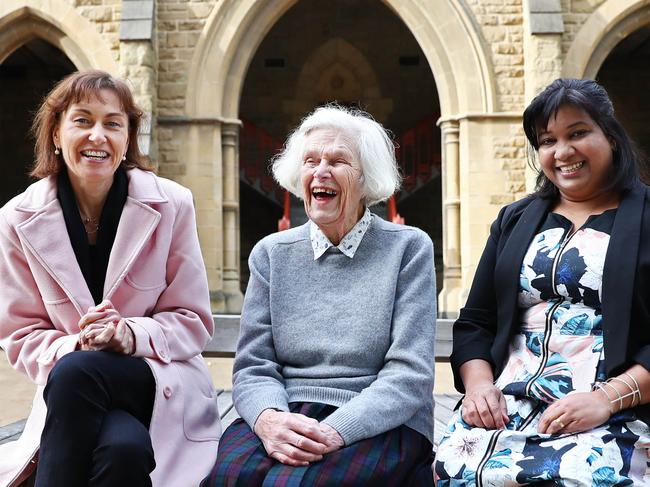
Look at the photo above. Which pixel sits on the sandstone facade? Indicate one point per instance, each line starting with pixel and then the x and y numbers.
pixel 198 69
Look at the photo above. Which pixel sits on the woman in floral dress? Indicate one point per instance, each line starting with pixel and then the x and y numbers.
pixel 559 315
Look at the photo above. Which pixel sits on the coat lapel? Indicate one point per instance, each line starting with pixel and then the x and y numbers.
pixel 137 223
pixel 46 235
pixel 619 272
pixel 508 266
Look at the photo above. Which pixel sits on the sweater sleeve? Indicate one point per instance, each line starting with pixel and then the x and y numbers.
pixel 257 379
pixel 405 382
pixel 475 328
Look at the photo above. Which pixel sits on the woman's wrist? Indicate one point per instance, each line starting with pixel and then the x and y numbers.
pixel 263 417
pixel 478 383
pixel 621 392
pixel 476 373
pixel 601 395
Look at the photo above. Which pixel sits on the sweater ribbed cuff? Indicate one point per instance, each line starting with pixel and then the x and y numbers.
pixel 346 423
pixel 249 408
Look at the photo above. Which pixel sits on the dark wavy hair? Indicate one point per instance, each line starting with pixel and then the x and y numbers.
pixel 593 99
pixel 78 86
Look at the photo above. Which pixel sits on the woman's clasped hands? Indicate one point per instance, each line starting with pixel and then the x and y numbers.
pixel 295 439
pixel 103 328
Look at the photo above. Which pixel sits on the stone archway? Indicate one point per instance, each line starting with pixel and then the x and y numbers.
pixel 58 23
pixel 36 50
pixel 233 32
pixel 613 21
pixel 25 76
pixel 453 49
pixel 610 48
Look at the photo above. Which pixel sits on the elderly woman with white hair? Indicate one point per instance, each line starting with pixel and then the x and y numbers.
pixel 333 375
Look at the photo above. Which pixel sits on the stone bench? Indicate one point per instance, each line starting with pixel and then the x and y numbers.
pixel 224 343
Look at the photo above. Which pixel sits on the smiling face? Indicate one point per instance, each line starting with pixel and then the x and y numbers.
pixel 93 137
pixel 575 154
pixel 331 179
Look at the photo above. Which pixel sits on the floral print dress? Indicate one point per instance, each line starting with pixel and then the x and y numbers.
pixel 557 350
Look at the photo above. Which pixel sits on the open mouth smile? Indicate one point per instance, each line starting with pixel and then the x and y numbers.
pixel 96 155
pixel 323 194
pixel 571 167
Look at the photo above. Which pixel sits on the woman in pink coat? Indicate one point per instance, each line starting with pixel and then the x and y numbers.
pixel 104 304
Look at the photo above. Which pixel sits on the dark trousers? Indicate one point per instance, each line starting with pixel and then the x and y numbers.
pixel 96 431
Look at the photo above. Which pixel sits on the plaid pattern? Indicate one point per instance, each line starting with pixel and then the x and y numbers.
pixel 401 457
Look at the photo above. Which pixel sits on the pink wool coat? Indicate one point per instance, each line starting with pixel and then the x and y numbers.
pixel 156 280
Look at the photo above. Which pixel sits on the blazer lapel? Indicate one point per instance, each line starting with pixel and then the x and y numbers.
pixel 618 273
pixel 510 258
pixel 137 223
pixel 46 236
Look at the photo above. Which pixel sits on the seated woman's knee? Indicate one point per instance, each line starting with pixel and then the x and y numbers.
pixel 124 444
pixel 70 373
pixel 126 452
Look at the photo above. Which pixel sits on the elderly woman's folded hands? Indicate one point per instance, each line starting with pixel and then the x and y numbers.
pixel 103 328
pixel 295 439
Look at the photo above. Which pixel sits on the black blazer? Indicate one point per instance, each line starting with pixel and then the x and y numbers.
pixel 488 321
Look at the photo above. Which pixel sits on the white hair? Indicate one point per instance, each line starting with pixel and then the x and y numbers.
pixel 376 152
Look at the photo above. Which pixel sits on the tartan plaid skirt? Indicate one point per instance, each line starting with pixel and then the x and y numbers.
pixel 400 457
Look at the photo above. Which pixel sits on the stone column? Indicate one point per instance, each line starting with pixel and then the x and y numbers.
pixel 138 65
pixel 448 301
pixel 543 29
pixel 230 184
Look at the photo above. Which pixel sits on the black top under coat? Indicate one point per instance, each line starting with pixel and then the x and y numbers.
pixel 93 259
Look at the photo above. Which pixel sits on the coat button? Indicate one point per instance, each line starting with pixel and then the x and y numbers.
pixel 167 392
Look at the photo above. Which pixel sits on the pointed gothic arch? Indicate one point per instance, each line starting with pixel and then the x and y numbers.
pixel 604 29
pixel 59 24
pixel 453 48
pixel 461 66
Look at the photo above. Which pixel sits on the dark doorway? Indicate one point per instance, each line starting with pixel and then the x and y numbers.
pixel 354 52
pixel 25 77
pixel 625 74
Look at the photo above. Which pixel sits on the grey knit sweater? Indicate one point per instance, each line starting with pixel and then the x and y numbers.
pixel 355 333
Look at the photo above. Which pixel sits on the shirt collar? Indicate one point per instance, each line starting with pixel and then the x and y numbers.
pixel 349 244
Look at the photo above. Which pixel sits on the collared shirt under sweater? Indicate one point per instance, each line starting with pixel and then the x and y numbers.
pixel 355 333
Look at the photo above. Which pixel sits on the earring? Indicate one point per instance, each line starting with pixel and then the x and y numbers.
pixel 124 157
pixel 57 151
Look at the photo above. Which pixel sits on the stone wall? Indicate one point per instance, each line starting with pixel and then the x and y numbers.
pixel 105 14
pixel 488 161
pixel 179 24
pixel 501 24
pixel 575 13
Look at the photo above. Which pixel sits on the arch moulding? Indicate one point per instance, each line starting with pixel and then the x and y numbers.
pixel 56 22
pixel 337 57
pixel 604 29
pixel 454 50
pixel 235 29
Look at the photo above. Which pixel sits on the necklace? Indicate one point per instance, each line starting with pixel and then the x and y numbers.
pixel 91 225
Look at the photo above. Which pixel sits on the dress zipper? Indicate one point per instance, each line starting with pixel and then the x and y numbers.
pixel 493 442
pixel 486 456
pixel 549 317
